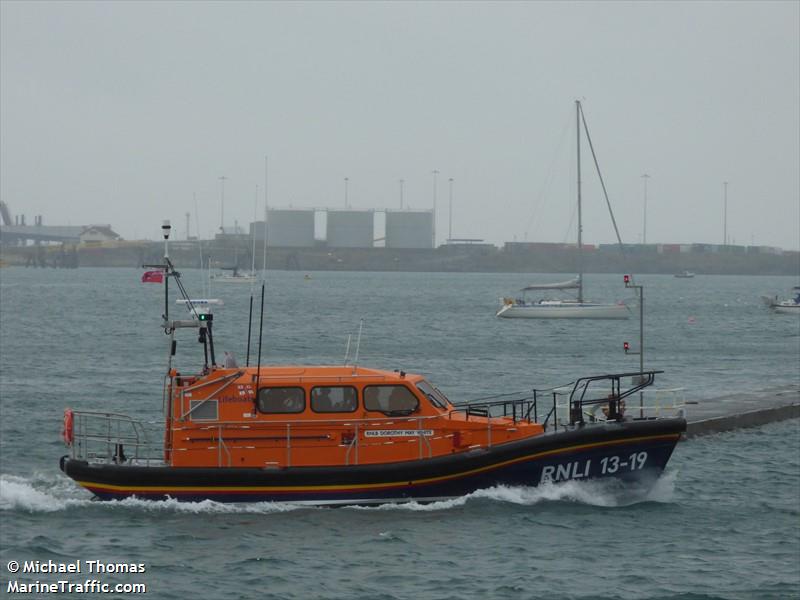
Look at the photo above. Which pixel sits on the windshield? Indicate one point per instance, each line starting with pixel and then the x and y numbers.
pixel 437 398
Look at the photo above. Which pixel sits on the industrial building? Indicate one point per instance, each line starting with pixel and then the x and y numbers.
pixel 350 228
pixel 409 229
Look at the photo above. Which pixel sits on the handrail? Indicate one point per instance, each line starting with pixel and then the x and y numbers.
pixel 226 381
pixel 98 434
pixel 614 400
pixel 224 378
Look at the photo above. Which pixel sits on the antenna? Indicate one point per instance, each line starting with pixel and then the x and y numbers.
pixel 165 229
pixel 249 326
pixel 253 252
pixel 266 210
pixel 260 332
pixel 347 349
pixel 358 345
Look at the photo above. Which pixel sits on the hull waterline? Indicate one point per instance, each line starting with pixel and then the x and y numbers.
pixel 787 309
pixel 564 311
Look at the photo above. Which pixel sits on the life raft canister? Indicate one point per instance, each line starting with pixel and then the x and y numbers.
pixel 67 432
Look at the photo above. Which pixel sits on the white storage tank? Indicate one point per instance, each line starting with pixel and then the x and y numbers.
pixel 409 229
pixel 290 228
pixel 350 228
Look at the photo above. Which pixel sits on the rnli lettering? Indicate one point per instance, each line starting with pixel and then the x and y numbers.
pixel 608 465
pixel 398 433
pixel 573 470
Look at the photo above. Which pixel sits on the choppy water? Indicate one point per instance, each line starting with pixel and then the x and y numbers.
pixel 724 521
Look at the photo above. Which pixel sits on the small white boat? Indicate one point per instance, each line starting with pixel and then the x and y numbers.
pixel 235 276
pixel 785 307
pixel 684 275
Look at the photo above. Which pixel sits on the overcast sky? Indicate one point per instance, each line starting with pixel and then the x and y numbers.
pixel 121 113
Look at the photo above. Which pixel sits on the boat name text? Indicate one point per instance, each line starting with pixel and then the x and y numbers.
pixel 398 433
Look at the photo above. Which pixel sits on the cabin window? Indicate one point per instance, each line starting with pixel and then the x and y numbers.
pixel 334 399
pixel 276 400
pixel 437 398
pixel 203 410
pixel 390 399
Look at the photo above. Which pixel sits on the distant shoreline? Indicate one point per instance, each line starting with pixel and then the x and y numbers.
pixel 478 258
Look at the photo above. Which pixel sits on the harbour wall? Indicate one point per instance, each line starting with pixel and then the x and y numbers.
pixel 452 258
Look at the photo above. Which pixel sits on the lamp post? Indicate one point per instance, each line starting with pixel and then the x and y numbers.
pixel 450 224
pixel 725 214
pixel 639 292
pixel 401 194
pixel 346 181
pixel 222 204
pixel 435 175
pixel 644 217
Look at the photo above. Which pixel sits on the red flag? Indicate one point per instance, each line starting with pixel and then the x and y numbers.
pixel 152 277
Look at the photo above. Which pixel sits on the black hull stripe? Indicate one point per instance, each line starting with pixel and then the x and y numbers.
pixel 196 481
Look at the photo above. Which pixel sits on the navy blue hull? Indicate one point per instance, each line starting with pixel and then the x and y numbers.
pixel 628 451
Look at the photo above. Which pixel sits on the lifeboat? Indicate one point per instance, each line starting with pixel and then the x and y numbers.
pixel 349 434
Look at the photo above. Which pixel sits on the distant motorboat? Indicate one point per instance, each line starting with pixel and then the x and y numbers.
pixel 785 307
pixel 684 275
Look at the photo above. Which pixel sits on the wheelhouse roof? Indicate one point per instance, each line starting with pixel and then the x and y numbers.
pixel 273 375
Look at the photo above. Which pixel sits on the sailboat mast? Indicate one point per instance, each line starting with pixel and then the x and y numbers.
pixel 580 221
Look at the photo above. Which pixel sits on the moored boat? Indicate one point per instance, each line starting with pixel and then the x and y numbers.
pixel 559 308
pixel 786 307
pixel 568 308
pixel 346 434
pixel 235 276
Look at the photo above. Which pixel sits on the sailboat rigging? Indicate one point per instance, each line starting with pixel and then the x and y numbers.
pixel 577 307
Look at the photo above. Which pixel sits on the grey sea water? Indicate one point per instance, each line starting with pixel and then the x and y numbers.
pixel 723 522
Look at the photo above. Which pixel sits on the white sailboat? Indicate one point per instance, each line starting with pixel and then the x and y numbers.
pixel 566 308
pixel 235 276
pixel 559 308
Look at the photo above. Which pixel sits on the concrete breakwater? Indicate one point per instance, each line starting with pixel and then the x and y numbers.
pixel 744 409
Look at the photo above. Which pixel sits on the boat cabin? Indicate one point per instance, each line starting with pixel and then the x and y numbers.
pixel 313 416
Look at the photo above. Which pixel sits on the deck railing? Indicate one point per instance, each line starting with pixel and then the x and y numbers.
pixel 598 398
pixel 110 437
